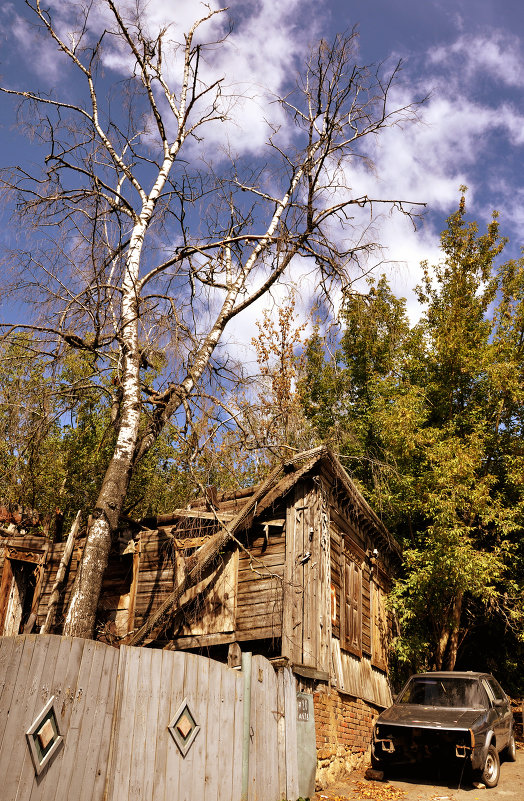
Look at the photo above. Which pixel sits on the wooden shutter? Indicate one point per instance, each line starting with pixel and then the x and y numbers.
pixel 379 627
pixel 352 607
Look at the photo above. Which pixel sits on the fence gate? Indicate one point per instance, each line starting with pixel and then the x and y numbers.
pixel 82 721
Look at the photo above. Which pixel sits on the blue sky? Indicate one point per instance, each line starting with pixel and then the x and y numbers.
pixel 466 55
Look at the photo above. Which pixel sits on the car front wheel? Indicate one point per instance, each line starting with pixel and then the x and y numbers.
pixel 510 751
pixel 491 771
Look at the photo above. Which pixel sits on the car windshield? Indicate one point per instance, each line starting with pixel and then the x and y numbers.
pixel 450 692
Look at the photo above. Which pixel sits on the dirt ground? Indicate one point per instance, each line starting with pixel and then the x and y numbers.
pixel 429 785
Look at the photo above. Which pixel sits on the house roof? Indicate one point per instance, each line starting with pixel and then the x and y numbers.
pixel 252 502
pixel 280 481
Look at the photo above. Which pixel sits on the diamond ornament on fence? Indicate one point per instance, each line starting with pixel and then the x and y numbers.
pixel 184 728
pixel 43 737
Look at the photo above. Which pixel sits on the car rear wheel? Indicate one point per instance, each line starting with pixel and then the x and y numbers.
pixel 510 751
pixel 491 771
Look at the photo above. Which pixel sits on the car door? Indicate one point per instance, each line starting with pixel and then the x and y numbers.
pixel 502 716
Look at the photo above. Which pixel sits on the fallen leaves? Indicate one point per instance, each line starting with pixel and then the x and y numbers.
pixel 375 791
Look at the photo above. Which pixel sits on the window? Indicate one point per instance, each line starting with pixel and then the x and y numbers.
pixel 443 691
pixel 494 690
pixel 17 591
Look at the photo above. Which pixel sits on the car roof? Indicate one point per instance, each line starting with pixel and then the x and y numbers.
pixel 455 674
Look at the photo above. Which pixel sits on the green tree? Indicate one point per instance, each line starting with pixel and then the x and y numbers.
pixel 432 430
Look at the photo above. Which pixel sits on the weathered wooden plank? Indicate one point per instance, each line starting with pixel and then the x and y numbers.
pixel 187 764
pixel 11 653
pixel 151 724
pixel 213 733
pixel 43 679
pixel 266 633
pixel 163 677
pixel 65 674
pixel 202 641
pixel 226 736
pixel 281 736
pixel 255 734
pixel 266 595
pixel 264 744
pixel 106 732
pixel 337 675
pixel 258 583
pixel 238 738
pixel 99 723
pixel 261 548
pixel 325 582
pixel 139 724
pixel 310 582
pixel 204 718
pixel 261 563
pixel 247 583
pixel 25 699
pixel 123 748
pixel 290 712
pixel 174 759
pixel 293 589
pixel 89 702
pixel 259 622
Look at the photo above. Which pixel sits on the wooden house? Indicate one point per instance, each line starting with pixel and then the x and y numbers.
pixel 301 576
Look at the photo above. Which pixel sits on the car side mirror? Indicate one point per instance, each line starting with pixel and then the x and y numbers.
pixel 499 702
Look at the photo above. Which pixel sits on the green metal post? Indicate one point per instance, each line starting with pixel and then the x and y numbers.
pixel 246 670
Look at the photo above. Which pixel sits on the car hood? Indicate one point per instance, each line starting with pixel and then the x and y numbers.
pixel 430 716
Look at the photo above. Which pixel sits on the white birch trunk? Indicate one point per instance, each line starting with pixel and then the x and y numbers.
pixel 81 615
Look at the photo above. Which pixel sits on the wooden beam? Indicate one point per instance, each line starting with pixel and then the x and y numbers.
pixel 310 673
pixel 60 577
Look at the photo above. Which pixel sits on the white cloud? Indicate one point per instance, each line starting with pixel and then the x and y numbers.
pixel 421 162
pixel 37 50
pixel 499 55
pixel 257 59
pixel 428 161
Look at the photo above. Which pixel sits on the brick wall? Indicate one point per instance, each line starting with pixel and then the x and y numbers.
pixel 343 727
pixel 341 720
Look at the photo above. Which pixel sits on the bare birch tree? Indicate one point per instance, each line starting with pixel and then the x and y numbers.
pixel 157 250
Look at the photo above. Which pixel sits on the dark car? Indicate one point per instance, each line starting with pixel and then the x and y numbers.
pixel 447 716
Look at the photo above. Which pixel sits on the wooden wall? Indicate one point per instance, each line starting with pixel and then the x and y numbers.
pixel 260 583
pixel 156 573
pixel 38 550
pixel 307 597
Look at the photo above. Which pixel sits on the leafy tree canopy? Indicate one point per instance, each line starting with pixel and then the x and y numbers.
pixel 429 418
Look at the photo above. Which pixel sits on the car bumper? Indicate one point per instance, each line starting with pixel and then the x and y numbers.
pixel 401 745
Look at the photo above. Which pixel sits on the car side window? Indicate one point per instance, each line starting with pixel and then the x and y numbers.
pixel 498 692
pixel 494 690
pixel 491 694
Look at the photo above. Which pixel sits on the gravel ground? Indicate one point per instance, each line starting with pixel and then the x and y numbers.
pixel 428 785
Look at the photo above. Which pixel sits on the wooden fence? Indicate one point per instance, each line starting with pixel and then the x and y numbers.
pixel 82 721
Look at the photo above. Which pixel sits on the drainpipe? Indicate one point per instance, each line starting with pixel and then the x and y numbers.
pixel 246 670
